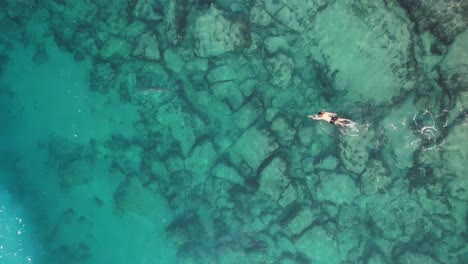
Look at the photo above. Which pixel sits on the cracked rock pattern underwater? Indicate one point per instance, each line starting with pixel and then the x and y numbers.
pixel 177 131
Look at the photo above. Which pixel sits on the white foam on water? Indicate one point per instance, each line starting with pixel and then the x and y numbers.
pixel 355 129
pixel 16 246
pixel 427 127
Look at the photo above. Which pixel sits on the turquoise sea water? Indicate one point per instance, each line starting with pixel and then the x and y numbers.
pixel 178 132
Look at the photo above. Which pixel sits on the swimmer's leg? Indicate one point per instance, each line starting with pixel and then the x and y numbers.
pixel 344 122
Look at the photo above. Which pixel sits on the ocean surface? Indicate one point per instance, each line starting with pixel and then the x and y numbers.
pixel 178 131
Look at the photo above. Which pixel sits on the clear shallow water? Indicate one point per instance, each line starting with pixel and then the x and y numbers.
pixel 179 133
pixel 16 240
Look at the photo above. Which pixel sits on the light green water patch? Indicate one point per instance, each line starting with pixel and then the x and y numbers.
pixel 367 66
pixel 55 98
pixel 79 223
pixel 16 238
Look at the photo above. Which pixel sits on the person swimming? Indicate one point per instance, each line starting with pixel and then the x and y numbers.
pixel 332 118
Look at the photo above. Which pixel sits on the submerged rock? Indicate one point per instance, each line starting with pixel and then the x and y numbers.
pixel 147 47
pixel 289 195
pixel 399 137
pixel 200 162
pixel 319 246
pixel 102 77
pixel 20 9
pixel 364 50
pixel 245 116
pixel 337 188
pixel 413 257
pixel 445 19
pixel 115 47
pixel 303 219
pixel 222 73
pixel 455 167
pixel 284 130
pixel 355 151
pixel 260 16
pixel 281 68
pixel 228 91
pixel 173 60
pixel 328 163
pixel 276 43
pixel 287 246
pixel 399 217
pixel 228 173
pixel 455 64
pixel 176 20
pixel 296 16
pixel 132 197
pixel 273 179
pixel 75 173
pixel 182 130
pixel 72 237
pixel 375 179
pixel 254 146
pixel 215 35
pixel 148 10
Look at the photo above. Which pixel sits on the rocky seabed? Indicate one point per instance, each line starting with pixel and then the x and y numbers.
pixel 223 89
